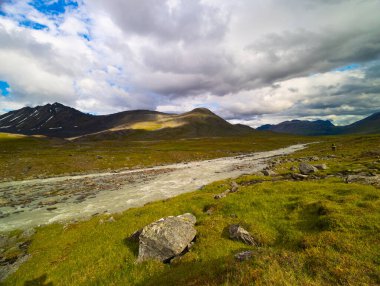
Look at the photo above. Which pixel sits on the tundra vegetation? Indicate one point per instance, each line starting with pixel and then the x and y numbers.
pixel 317 231
pixel 27 157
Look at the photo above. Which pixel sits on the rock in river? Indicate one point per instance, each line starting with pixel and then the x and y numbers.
pixel 166 238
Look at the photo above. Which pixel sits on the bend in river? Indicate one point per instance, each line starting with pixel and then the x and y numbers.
pixel 35 202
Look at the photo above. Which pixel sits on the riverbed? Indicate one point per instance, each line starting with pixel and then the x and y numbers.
pixel 30 203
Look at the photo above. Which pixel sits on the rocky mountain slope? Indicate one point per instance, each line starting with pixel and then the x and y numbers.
pixel 57 120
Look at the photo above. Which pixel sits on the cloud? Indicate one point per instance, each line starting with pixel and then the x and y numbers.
pixel 249 61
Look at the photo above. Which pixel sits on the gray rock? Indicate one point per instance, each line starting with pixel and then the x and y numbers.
pixel 222 195
pixel 293 168
pixel 166 238
pixel 238 233
pixel 245 255
pixel 306 168
pixel 234 187
pixel 268 173
pixel 368 180
pixel 321 166
pixel 314 158
pixel 297 177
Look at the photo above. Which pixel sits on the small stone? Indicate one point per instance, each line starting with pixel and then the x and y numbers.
pixel 238 233
pixel 222 195
pixel 234 187
pixel 209 210
pixel 293 168
pixel 243 256
pixel 268 173
pixel 321 167
pixel 297 177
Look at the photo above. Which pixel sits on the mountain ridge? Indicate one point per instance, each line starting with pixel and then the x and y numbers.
pixel 367 125
pixel 58 120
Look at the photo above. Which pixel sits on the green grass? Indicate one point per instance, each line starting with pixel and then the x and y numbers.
pixel 320 232
pixel 311 233
pixel 23 157
pixel 354 154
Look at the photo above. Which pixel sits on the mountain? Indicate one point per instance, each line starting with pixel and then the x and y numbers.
pixel 368 125
pixel 57 120
pixel 301 127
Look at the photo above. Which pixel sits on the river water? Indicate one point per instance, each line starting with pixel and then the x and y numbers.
pixel 44 201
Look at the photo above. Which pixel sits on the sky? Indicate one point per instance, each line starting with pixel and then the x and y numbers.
pixel 250 61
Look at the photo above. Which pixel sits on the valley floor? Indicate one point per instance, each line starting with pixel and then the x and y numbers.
pixel 322 230
pixel 41 201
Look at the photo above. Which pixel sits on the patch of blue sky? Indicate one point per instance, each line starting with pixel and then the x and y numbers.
pixel 347 67
pixel 33 25
pixel 2 12
pixel 87 37
pixel 53 7
pixel 4 88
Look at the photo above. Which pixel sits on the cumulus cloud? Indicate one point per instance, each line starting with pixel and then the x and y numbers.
pixel 249 61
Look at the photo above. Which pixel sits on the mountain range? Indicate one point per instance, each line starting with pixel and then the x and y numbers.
pixel 57 120
pixel 368 125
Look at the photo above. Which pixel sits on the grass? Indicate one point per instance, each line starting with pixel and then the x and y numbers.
pixel 155 125
pixel 320 232
pixel 311 233
pixel 23 157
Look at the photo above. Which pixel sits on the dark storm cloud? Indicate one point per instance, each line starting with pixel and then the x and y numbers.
pixel 188 21
pixel 243 59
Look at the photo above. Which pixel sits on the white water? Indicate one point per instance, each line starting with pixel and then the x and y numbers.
pixel 183 178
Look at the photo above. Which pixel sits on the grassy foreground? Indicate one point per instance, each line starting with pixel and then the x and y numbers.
pixel 26 157
pixel 317 232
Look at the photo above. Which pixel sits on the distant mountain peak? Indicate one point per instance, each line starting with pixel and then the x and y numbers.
pixel 370 124
pixel 202 110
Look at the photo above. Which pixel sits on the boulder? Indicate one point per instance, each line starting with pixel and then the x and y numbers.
pixel 368 180
pixel 238 233
pixel 306 168
pixel 166 238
